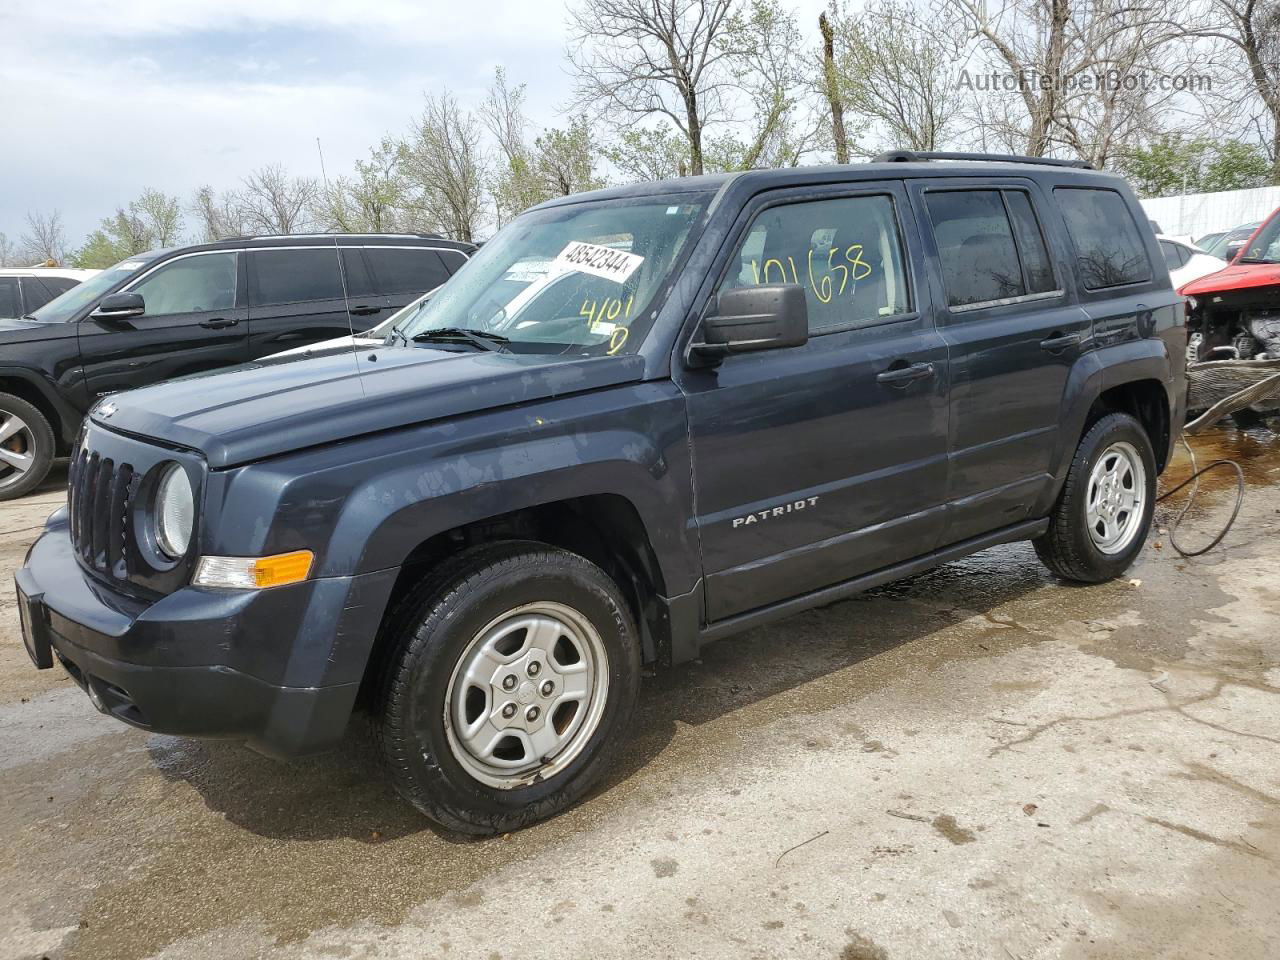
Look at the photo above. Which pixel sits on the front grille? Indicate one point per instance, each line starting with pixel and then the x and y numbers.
pixel 99 492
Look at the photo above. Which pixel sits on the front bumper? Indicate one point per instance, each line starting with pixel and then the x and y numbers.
pixel 278 668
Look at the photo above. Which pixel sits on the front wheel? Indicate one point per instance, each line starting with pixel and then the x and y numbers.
pixel 516 668
pixel 26 447
pixel 1102 516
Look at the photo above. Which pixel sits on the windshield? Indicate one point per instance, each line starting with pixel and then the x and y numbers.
pixel 579 279
pixel 62 308
pixel 1265 247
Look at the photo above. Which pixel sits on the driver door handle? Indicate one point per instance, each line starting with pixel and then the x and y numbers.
pixel 900 376
pixel 1059 341
pixel 362 310
pixel 219 323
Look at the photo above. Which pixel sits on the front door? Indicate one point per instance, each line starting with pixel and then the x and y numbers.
pixel 194 322
pixel 818 463
pixel 1014 330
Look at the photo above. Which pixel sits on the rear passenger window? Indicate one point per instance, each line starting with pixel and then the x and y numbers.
pixel 975 243
pixel 1174 255
pixel 846 253
pixel 1109 249
pixel 405 270
pixel 355 273
pixel 294 276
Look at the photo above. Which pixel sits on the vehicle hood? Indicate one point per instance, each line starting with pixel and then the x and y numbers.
pixel 288 403
pixel 13 330
pixel 1238 276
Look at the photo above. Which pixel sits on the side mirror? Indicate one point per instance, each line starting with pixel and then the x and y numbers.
pixel 762 317
pixel 120 306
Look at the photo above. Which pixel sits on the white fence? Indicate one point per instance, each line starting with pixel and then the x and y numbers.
pixel 1196 214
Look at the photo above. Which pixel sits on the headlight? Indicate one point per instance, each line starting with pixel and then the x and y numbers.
pixel 175 512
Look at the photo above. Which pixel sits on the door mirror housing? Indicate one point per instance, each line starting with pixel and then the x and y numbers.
pixel 120 306
pixel 762 317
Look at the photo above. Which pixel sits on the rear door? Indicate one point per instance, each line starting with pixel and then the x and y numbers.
pixel 296 297
pixel 1013 329
pixel 194 322
pixel 817 463
pixel 404 273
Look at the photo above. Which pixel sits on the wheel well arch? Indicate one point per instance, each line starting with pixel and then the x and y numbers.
pixel 24 389
pixel 1147 401
pixel 604 528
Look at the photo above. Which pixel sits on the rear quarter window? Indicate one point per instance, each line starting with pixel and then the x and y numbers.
pixel 405 269
pixel 1110 251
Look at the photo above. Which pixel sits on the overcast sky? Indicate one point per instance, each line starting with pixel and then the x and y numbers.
pixel 101 100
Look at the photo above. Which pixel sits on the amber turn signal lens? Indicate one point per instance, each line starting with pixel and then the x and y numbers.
pixel 254 573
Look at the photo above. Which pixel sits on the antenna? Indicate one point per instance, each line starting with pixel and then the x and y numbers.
pixel 323 176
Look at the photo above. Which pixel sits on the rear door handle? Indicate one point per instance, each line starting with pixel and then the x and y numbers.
pixel 362 310
pixel 901 376
pixel 1059 341
pixel 219 323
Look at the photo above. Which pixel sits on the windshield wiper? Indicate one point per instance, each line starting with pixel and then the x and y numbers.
pixel 480 338
pixel 1257 260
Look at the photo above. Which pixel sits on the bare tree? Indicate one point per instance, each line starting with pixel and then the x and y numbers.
pixel 1078 69
pixel 44 238
pixel 219 215
pixel 8 252
pixel 637 59
pixel 766 51
pixel 899 72
pixel 516 185
pixel 272 201
pixel 1248 32
pixel 830 85
pixel 445 167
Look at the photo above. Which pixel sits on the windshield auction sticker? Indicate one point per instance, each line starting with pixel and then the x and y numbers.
pixel 606 262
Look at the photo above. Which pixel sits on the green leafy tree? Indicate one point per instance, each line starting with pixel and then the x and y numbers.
pixel 1173 164
pixel 151 221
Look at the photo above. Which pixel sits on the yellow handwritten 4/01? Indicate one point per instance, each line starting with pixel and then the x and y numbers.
pixel 605 311
pixel 854 268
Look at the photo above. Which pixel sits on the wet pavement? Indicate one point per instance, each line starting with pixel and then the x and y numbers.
pixel 977 762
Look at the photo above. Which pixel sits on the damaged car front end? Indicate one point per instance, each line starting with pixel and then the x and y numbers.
pixel 1234 314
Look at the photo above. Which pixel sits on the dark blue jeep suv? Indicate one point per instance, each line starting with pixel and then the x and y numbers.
pixel 638 420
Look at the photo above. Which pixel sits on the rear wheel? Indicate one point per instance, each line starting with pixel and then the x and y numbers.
pixel 26 447
pixel 1103 513
pixel 515 670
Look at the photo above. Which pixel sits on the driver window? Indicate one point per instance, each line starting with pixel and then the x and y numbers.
pixel 191 285
pixel 846 253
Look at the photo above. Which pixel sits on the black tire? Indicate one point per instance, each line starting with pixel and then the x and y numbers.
pixel 35 441
pixel 1067 548
pixel 429 633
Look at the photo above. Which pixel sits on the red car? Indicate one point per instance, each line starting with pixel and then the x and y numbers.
pixel 1236 311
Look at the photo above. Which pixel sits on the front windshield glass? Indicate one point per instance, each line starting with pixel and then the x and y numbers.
pixel 62 308
pixel 1266 245
pixel 578 279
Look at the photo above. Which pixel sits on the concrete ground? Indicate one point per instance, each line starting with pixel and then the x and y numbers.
pixel 980 762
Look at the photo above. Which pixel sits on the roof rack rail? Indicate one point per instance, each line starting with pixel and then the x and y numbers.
pixel 911 156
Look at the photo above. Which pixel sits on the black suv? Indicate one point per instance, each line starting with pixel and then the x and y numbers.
pixel 637 421
pixel 187 310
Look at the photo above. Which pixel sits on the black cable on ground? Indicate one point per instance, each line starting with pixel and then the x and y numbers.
pixel 1195 478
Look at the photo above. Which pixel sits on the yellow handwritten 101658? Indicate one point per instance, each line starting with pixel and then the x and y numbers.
pixel 853 268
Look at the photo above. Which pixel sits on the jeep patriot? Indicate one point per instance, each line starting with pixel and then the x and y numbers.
pixel 637 421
